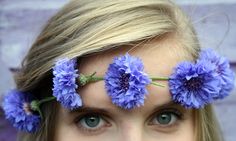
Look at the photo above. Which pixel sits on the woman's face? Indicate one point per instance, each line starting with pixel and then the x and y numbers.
pixel 100 120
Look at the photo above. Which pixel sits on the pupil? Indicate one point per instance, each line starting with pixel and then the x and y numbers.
pixel 92 121
pixel 164 118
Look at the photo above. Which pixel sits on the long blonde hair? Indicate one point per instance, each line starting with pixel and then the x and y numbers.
pixel 88 26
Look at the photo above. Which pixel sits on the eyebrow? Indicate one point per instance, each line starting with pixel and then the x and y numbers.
pixel 88 109
pixel 168 104
pixel 91 109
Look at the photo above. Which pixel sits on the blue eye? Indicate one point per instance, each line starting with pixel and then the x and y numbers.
pixel 91 122
pixel 166 118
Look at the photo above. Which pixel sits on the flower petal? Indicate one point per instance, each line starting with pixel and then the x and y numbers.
pixel 13 106
pixel 126 82
pixel 194 85
pixel 64 84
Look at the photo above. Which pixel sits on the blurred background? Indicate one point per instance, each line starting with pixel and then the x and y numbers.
pixel 22 20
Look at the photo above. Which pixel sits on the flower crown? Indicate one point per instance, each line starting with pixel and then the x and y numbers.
pixel 193 85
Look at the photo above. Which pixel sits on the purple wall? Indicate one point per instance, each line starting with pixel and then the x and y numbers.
pixel 20 22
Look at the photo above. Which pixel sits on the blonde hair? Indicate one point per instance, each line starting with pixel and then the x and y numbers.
pixel 87 26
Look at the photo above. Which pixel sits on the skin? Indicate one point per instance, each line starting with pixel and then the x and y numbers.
pixel 140 124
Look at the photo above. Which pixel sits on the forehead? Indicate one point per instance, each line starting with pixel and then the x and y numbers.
pixel 159 59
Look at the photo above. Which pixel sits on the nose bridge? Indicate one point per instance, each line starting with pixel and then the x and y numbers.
pixel 132 130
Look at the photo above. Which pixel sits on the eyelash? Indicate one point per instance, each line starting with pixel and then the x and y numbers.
pixel 175 112
pixel 95 130
pixel 78 121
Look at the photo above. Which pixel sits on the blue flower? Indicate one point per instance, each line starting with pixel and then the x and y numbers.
pixel 222 68
pixel 194 85
pixel 16 106
pixel 64 83
pixel 126 82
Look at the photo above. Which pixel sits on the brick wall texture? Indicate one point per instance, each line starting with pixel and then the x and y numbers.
pixel 21 21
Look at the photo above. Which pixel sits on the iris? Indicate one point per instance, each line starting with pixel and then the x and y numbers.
pixel 164 118
pixel 92 121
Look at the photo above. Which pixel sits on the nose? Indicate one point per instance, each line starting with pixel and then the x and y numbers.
pixel 132 131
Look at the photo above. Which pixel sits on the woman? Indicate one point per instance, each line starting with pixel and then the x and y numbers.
pixel 146 38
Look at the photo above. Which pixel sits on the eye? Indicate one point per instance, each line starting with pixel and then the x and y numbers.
pixel 166 118
pixel 91 123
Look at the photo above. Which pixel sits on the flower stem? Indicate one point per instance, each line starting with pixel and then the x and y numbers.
pixel 47 99
pixel 84 79
pixel 157 84
pixel 94 79
pixel 40 113
pixel 159 78
pixel 35 105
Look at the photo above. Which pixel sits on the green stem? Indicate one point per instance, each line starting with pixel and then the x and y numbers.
pixel 46 100
pixel 157 84
pixel 84 79
pixel 35 105
pixel 159 78
pixel 94 79
pixel 40 113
